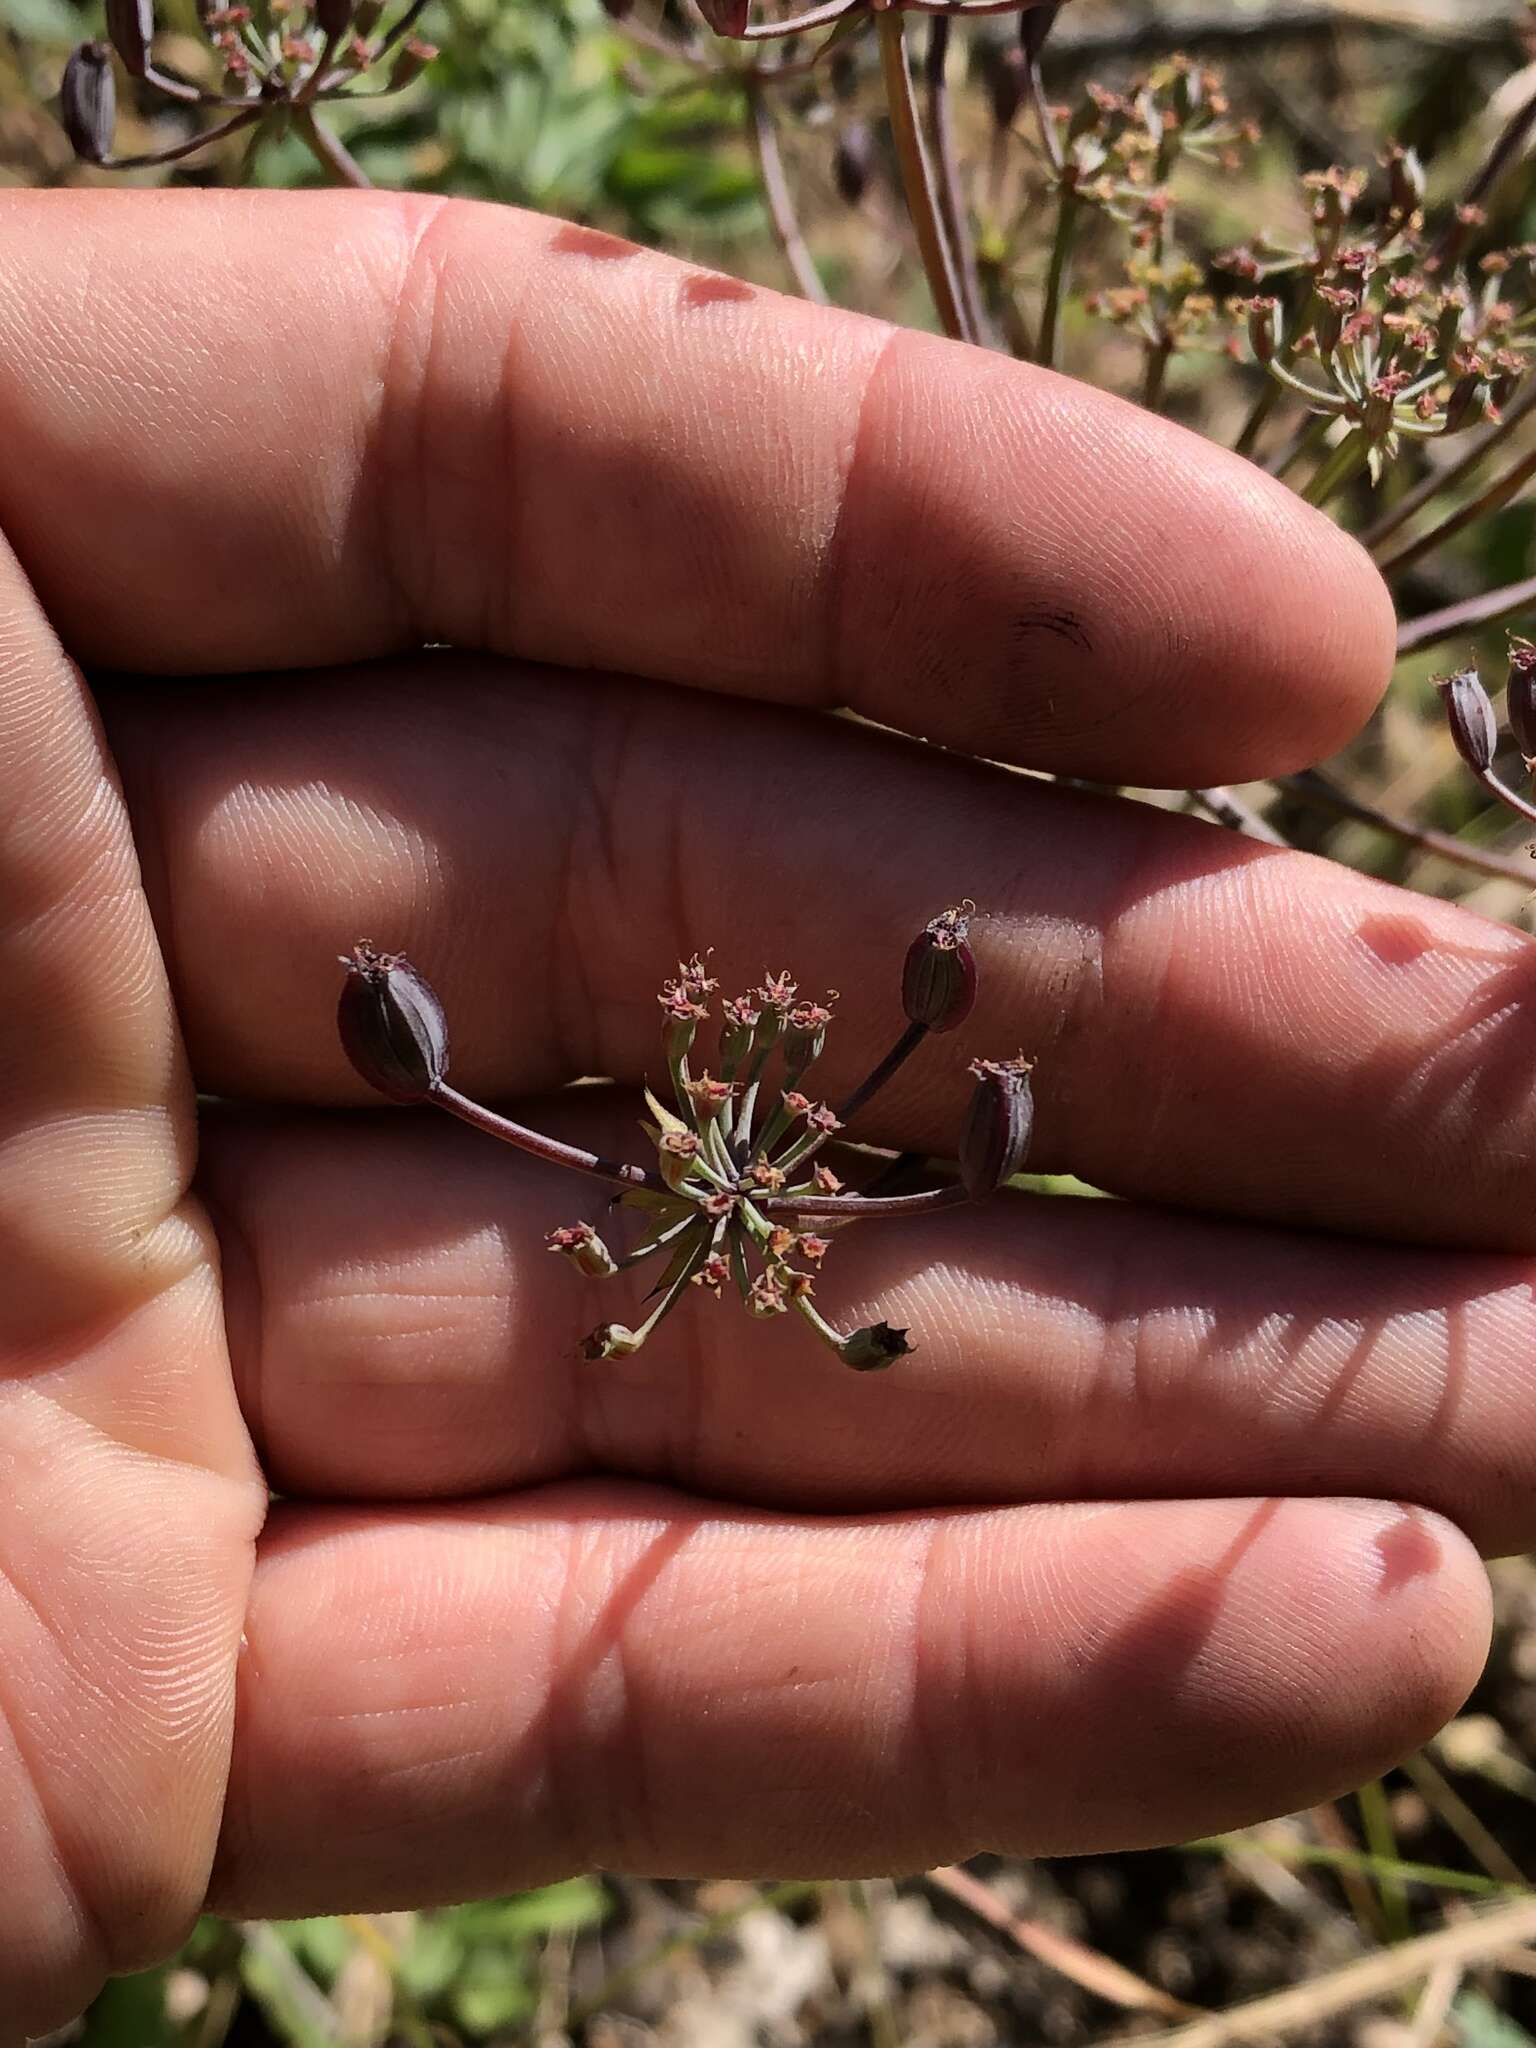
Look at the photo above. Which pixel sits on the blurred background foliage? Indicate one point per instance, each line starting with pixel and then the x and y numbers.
pixel 1426 1878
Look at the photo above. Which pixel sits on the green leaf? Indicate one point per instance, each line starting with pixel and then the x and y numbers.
pixel 130 2013
pixel 574 1902
pixel 558 1908
pixel 1480 2024
pixel 432 1958
pixel 277 1992
pixel 495 1990
pixel 46 21
pixel 322 1945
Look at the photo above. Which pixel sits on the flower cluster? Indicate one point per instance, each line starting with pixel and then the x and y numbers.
pixel 1119 149
pixel 270 64
pixel 1386 332
pixel 739 1196
pixel 1118 152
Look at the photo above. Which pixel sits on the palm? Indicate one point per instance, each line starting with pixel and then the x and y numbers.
pixel 515 1616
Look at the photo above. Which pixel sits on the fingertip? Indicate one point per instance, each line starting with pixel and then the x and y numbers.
pixel 1201 1666
pixel 1268 636
pixel 1043 573
pixel 1435 1603
pixel 1387 1613
pixel 1325 636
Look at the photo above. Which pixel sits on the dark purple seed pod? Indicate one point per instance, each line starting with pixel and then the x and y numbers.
pixel 88 102
pixel 998 1126
pixel 1262 316
pixel 853 161
pixel 333 18
pixel 726 17
pixel 131 30
pixel 1520 702
pixel 874 1348
pixel 392 1025
pixel 1035 24
pixel 1466 404
pixel 1469 713
pixel 938 982
pixel 1007 78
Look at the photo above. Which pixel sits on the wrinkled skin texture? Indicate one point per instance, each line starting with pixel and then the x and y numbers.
pixel 1173 1520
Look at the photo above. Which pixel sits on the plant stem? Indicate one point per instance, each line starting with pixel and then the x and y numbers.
pixel 173 88
pixel 1285 1850
pixel 1050 139
pixel 1056 276
pixel 1004 311
pixel 777 196
pixel 1438 481
pixel 1336 469
pixel 877 1077
pixel 1505 152
pixel 1315 790
pixel 796 25
pixel 542 1147
pixel 1310 438
pixel 891 1173
pixel 776 1124
pixel 1490 499
pixel 1510 798
pixel 1231 811
pixel 839 10
pixel 343 167
pixel 1269 397
pixel 1159 354
pixel 401 29
pixel 1257 418
pixel 916 174
pixel 953 212
pixel 659 43
pixel 1465 617
pixel 188 148
pixel 859 1208
pixel 833 1339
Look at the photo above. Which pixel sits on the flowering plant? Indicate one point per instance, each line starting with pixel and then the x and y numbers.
pixel 738 1176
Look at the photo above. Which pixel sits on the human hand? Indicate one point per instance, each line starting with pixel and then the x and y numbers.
pixel 1116 1557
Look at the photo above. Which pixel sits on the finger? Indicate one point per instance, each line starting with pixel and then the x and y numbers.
pixel 130 1500
pixel 1214 1023
pixel 400 1332
pixel 510 1691
pixel 372 423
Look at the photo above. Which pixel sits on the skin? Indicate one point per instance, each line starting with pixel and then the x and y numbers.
pixel 1172 1521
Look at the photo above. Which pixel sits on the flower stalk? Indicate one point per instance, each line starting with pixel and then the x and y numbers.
pixel 917 175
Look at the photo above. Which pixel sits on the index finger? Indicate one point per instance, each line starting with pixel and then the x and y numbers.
pixel 276 430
